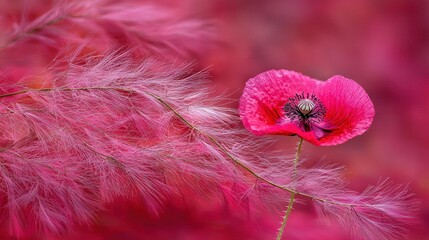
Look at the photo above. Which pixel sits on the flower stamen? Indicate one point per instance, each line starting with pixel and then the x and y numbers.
pixel 306 109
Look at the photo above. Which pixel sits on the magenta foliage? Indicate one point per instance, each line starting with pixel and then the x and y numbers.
pixel 337 110
pixel 154 29
pixel 95 132
pixel 380 212
pixel 94 128
pixel 114 127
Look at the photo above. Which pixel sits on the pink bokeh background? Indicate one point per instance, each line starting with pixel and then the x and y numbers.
pixel 383 45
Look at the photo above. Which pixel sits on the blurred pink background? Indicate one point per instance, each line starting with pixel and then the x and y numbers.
pixel 383 45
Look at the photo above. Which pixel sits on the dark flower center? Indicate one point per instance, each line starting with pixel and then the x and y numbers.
pixel 306 109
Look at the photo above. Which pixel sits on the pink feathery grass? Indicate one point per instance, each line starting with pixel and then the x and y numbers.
pixel 72 145
pixel 338 109
pixel 142 131
pixel 380 212
pixel 150 28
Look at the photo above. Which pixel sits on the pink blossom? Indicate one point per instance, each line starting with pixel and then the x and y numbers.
pixel 289 103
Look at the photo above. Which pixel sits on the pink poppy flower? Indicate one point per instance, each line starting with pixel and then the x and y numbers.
pixel 289 103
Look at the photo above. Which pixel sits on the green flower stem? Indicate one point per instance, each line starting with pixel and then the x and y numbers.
pixel 292 195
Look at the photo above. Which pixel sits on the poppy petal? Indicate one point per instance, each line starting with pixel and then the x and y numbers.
pixel 349 110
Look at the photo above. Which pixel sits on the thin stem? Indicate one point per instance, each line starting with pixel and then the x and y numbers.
pixel 110 159
pixel 191 126
pixel 292 195
pixel 30 31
